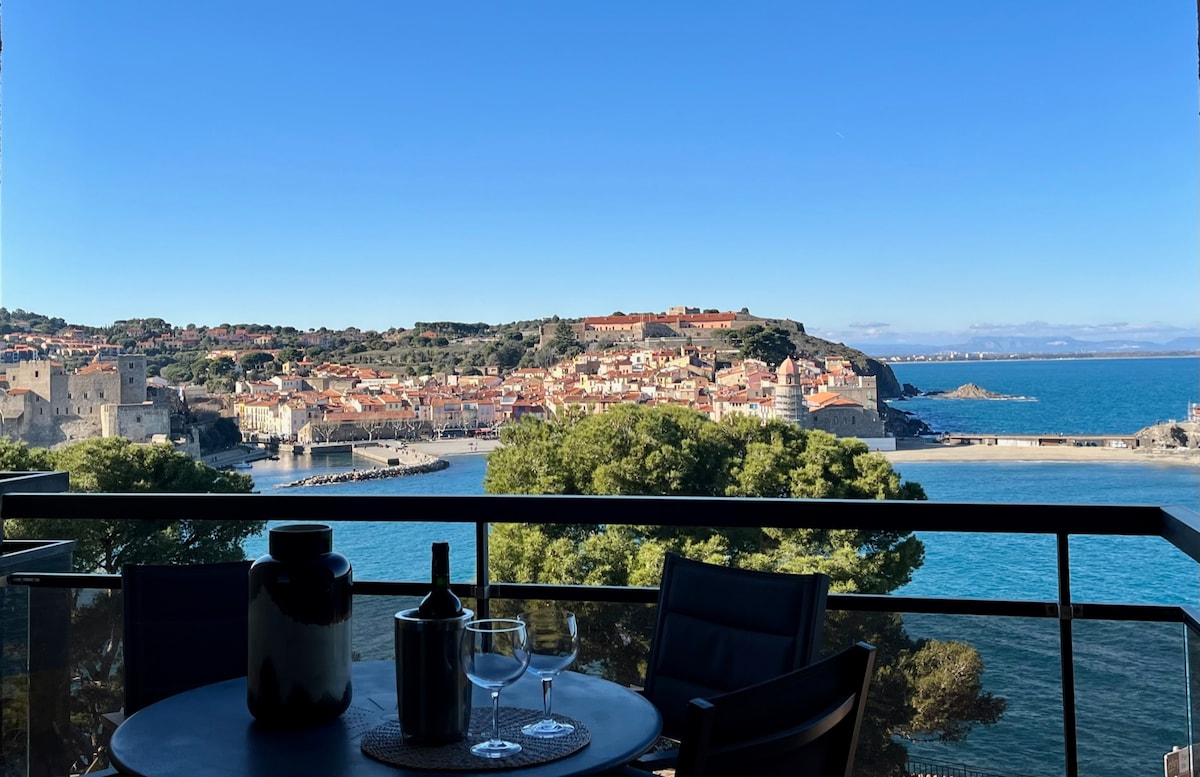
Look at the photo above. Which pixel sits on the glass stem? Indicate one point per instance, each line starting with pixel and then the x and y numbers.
pixel 546 684
pixel 495 716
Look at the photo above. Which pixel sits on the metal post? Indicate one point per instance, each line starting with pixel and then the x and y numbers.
pixel 482 577
pixel 1066 654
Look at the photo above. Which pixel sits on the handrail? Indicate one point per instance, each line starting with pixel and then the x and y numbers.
pixel 1180 526
pixel 1177 524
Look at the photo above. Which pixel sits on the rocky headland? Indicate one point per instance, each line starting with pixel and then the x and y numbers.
pixel 1170 436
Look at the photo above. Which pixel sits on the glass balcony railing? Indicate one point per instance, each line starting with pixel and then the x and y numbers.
pixel 1097 687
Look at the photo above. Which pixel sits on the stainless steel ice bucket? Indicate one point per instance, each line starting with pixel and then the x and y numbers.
pixel 433 694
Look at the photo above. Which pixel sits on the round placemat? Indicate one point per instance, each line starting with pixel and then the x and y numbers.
pixel 384 743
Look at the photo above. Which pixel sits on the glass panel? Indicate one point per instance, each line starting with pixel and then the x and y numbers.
pixel 1192 757
pixel 1150 571
pixel 1131 695
pixel 62 673
pixel 1021 664
pixel 986 566
pixel 14 671
pixel 373 625
pixel 396 551
pixel 614 639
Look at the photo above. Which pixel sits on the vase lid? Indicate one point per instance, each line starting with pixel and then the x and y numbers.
pixel 300 540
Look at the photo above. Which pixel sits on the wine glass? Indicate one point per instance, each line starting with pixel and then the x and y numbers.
pixel 495 653
pixel 553 645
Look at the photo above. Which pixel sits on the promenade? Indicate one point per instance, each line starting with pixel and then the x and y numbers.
pixel 914 449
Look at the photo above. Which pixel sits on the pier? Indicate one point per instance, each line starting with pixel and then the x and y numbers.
pixel 1129 441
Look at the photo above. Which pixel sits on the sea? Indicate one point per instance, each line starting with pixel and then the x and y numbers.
pixel 1132 685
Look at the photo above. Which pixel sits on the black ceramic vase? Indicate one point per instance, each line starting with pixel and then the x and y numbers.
pixel 298 668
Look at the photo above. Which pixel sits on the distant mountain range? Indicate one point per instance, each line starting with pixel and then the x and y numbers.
pixel 1033 346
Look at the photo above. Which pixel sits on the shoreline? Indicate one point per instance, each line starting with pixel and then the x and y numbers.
pixel 454 447
pixel 911 449
pixel 917 450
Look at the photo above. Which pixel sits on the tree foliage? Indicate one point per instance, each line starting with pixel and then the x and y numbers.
pixel 115 465
pixel 673 451
pixel 771 344
pixel 565 342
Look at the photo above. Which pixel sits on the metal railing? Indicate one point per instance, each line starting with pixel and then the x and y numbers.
pixel 1178 526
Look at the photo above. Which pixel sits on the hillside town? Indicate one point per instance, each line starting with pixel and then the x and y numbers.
pixel 45 403
pixel 329 402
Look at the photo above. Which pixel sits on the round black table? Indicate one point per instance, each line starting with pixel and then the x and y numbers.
pixel 208 731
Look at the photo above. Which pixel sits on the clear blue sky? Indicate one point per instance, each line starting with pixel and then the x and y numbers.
pixel 876 169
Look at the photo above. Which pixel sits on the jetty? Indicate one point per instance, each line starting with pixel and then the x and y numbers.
pixel 396 460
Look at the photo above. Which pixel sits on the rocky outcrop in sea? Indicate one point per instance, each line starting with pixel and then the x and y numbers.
pixel 969 391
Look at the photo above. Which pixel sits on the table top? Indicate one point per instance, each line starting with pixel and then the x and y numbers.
pixel 208 731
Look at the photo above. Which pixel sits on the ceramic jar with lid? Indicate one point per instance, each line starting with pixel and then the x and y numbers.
pixel 298 669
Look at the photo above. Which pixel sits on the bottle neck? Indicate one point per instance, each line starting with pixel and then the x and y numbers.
pixel 441 568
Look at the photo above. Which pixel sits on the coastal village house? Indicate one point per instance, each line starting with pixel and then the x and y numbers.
pixel 44 404
pixel 336 402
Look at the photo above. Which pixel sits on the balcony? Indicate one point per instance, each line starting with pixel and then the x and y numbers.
pixel 1094 688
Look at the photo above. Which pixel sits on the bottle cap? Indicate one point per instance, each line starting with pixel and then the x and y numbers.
pixel 300 540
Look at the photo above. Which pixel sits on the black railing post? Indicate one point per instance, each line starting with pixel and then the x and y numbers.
pixel 1066 654
pixel 483 594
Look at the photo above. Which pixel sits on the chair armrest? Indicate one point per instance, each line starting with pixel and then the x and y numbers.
pixel 662 757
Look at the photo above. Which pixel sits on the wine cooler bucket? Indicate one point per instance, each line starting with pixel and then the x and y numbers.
pixel 433 694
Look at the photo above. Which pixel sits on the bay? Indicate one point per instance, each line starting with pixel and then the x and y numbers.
pixel 1131 677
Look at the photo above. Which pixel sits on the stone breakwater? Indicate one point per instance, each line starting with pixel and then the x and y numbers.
pixel 417 463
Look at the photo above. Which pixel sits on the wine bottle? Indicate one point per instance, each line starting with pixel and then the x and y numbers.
pixel 440 602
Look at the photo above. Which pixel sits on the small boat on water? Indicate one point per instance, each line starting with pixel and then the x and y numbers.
pixel 241 465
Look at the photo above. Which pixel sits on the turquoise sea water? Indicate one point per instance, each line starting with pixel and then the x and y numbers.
pixel 1130 676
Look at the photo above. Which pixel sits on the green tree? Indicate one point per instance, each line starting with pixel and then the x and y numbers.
pixel 771 344
pixel 116 465
pixel 565 342
pixel 177 373
pixel 674 451
pixel 256 360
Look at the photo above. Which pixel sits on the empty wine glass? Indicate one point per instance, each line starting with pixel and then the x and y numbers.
pixel 553 645
pixel 495 653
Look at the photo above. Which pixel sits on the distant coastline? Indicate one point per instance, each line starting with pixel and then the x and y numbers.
pixel 1030 357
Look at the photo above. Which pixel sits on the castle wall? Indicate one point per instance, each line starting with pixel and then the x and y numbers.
pixel 139 423
pixel 848 422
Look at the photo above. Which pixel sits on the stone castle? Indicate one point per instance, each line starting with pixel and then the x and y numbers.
pixel 45 405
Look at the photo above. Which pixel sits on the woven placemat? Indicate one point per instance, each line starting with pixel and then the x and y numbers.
pixel 384 743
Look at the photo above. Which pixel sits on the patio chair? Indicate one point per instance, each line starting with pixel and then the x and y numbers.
pixel 719 629
pixel 804 722
pixel 185 626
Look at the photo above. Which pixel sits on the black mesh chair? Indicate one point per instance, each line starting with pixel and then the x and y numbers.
pixel 185 626
pixel 721 628
pixel 804 722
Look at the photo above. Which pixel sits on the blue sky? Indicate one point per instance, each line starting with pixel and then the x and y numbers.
pixel 878 170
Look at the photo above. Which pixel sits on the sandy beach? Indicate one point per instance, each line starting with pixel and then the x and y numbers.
pixel 455 447
pixel 911 449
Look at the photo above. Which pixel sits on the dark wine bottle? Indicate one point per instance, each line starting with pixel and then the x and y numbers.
pixel 440 602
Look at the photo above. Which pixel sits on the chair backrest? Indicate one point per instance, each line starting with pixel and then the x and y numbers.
pixel 805 722
pixel 720 628
pixel 185 626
